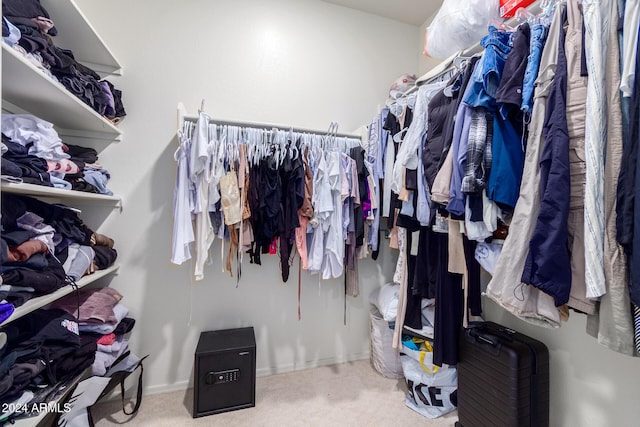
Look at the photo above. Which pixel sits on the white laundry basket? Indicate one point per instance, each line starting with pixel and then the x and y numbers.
pixel 384 358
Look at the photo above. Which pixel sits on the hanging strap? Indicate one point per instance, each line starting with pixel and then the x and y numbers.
pixel 123 376
pixel 299 287
pixel 345 298
pixel 136 406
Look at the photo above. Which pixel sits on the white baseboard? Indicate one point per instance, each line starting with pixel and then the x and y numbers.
pixel 263 372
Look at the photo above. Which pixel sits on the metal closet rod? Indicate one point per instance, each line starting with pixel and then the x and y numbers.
pixel 266 126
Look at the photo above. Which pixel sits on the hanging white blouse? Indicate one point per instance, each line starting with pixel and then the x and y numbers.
pixel 199 159
pixel 199 163
pixel 322 208
pixel 333 262
pixel 216 165
pixel 182 224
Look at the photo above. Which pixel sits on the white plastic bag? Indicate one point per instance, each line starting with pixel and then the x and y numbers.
pixel 384 358
pixel 459 24
pixel 388 301
pixel 430 388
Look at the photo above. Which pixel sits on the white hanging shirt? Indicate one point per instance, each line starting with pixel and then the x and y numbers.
pixel 322 208
pixel 199 160
pixel 333 262
pixel 182 224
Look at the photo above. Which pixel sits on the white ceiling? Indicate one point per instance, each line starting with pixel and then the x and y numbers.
pixel 413 12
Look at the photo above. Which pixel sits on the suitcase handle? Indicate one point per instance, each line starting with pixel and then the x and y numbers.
pixel 486 338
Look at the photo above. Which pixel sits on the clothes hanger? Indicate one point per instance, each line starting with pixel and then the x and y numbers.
pixel 223 144
pixel 523 15
pixel 189 130
pixel 255 137
pixel 293 149
pixel 399 137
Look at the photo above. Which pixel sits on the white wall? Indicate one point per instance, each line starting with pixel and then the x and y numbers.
pixel 294 62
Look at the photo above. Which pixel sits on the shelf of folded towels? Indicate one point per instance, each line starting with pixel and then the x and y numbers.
pixel 34 91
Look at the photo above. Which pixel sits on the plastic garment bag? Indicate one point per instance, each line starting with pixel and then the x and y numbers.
pixel 459 24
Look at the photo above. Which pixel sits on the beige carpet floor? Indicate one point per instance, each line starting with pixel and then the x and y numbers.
pixel 350 394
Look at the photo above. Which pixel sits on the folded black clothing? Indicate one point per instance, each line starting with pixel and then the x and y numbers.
pixel 35 262
pixel 125 326
pixel 6 381
pixel 79 360
pixel 33 41
pixel 50 335
pixel 27 160
pixel 13 147
pixel 7 360
pixel 17 237
pixel 117 98
pixel 87 89
pixel 5 29
pixel 21 375
pixel 4 252
pixel 70 67
pixel 65 221
pixel 28 170
pixel 10 168
pixel 83 154
pixel 105 256
pixel 25 9
pixel 80 88
pixel 17 299
pixel 79 184
pixel 47 334
pixel 18 163
pixel 43 281
pixel 72 176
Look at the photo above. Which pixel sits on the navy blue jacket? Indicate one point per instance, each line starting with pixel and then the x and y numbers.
pixel 548 264
pixel 634 138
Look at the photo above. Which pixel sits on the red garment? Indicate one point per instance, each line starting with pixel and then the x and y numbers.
pixel 107 339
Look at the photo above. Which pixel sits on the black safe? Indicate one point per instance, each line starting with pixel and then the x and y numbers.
pixel 225 371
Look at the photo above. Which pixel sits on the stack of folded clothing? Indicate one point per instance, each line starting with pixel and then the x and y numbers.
pixel 28 28
pixel 18 163
pixel 33 153
pixel 103 319
pixel 43 247
pixel 43 349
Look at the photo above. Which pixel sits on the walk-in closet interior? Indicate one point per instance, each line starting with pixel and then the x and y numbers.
pixel 320 212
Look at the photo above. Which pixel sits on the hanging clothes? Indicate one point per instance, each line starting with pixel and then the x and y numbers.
pixel 305 213
pixel 575 116
pixel 293 194
pixel 505 287
pixel 333 261
pixel 597 27
pixel 548 266
pixel 612 324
